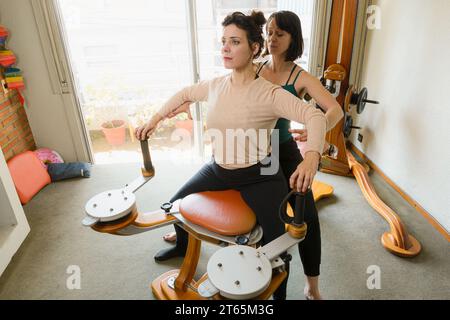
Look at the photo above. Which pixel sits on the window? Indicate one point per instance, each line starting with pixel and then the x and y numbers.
pixel 128 57
pixel 212 12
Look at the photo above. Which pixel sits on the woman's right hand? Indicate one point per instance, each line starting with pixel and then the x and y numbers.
pixel 303 177
pixel 144 132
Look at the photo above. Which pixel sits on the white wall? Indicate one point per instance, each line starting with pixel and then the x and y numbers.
pixel 407 69
pixel 46 111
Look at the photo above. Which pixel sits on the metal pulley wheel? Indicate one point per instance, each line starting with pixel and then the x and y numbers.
pixel 109 206
pixel 239 272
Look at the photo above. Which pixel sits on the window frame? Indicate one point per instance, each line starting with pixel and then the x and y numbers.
pixel 51 32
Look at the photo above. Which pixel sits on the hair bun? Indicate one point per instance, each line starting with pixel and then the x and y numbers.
pixel 258 18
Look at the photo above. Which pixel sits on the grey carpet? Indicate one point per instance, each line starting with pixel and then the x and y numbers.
pixel 114 267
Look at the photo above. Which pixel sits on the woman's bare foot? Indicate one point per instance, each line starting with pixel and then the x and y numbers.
pixel 311 290
pixel 170 237
pixel 311 295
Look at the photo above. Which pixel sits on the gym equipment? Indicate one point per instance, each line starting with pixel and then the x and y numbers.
pixel 62 171
pixel 340 50
pixel 239 271
pixel 47 156
pixel 358 99
pixel 333 77
pixel 28 174
pixel 397 241
pixel 3 36
pixel 7 58
pixel 348 126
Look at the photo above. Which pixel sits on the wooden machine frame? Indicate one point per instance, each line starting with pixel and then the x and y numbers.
pixel 339 56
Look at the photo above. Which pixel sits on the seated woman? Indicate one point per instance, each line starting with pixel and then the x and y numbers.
pixel 244 102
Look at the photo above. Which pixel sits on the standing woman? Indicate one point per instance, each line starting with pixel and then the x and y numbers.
pixel 243 101
pixel 285 45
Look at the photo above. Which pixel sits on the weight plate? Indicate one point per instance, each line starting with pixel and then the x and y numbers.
pixel 348 126
pixel 348 98
pixel 361 104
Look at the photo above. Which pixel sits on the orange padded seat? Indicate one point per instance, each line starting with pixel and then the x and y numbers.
pixel 223 212
pixel 28 174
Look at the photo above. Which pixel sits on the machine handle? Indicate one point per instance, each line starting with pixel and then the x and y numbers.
pixel 148 169
pixel 299 211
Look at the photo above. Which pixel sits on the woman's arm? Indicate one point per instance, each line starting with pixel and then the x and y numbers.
pixel 288 106
pixel 185 107
pixel 197 92
pixel 312 85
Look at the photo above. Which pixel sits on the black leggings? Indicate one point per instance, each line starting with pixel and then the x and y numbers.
pixel 310 248
pixel 262 193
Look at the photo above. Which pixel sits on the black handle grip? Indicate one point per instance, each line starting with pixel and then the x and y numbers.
pixel 146 156
pixel 299 210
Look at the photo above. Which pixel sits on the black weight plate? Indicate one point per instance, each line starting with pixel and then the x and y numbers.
pixel 348 126
pixel 361 104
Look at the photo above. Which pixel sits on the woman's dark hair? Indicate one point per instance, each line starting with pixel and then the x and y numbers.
pixel 289 22
pixel 252 24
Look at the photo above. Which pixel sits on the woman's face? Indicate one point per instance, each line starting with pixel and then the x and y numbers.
pixel 236 52
pixel 278 41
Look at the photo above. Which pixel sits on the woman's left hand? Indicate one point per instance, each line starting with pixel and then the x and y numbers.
pixel 303 176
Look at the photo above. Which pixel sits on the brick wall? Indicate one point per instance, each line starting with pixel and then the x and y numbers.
pixel 15 131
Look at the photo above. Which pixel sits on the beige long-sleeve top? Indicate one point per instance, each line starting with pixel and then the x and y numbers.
pixel 333 116
pixel 241 118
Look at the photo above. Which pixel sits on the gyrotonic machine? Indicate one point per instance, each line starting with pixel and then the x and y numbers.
pixel 240 270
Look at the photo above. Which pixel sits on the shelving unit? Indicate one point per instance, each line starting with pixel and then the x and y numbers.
pixel 14 226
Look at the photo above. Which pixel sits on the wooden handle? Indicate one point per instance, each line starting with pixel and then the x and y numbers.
pixel 148 170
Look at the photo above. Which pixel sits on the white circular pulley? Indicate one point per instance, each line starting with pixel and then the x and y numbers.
pixel 239 272
pixel 109 206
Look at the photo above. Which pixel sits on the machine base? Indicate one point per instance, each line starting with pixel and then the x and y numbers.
pixel 387 240
pixel 162 291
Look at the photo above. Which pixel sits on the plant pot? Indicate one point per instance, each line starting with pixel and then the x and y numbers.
pixel 185 124
pixel 114 132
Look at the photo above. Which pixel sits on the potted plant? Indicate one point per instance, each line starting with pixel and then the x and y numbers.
pixel 183 122
pixel 114 131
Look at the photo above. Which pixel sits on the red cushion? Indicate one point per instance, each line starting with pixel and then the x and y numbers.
pixel 223 212
pixel 28 174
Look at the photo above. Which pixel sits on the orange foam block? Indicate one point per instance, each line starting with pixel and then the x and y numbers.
pixel 28 174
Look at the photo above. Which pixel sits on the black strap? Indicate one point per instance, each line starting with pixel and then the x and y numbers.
pixel 261 66
pixel 292 71
pixel 298 74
